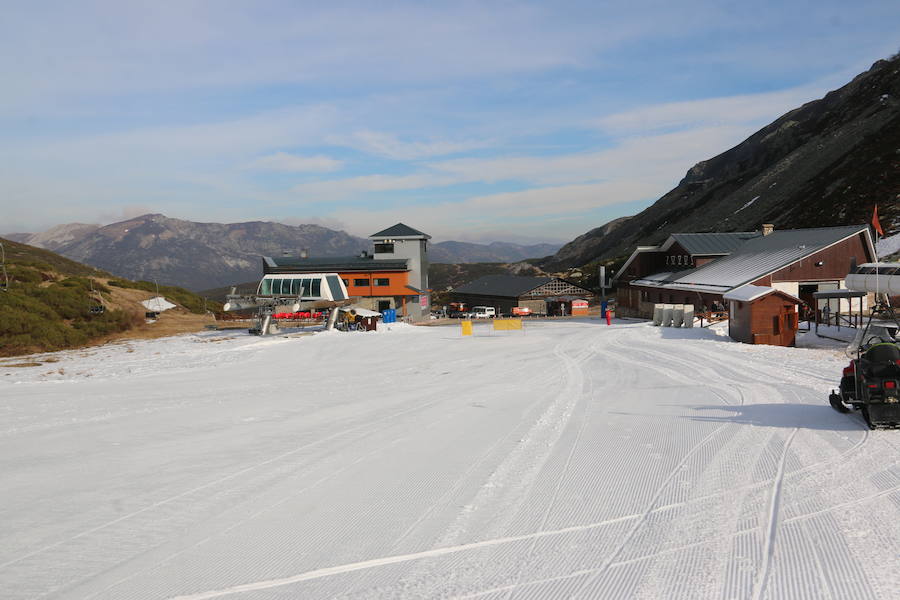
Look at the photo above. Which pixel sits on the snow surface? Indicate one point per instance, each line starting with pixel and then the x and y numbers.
pixel 748 204
pixel 574 460
pixel 157 304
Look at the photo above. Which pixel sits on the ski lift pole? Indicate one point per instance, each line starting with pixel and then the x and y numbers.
pixel 5 284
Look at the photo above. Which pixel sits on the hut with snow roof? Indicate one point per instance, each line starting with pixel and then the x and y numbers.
pixel 762 315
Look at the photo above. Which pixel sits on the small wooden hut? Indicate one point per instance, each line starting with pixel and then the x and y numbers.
pixel 762 315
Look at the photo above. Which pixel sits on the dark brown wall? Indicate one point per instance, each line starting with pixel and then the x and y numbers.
pixel 836 261
pixel 632 294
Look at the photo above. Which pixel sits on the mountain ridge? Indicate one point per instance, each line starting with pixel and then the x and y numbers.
pixel 827 162
pixel 207 255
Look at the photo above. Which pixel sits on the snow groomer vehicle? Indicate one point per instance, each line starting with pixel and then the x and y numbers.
pixel 871 382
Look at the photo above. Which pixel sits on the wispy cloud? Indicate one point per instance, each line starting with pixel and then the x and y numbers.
pixel 291 163
pixel 379 143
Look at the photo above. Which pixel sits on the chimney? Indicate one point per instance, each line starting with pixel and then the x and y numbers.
pixel 304 253
pixel 767 228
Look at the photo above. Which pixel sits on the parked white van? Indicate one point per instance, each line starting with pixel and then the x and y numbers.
pixel 483 312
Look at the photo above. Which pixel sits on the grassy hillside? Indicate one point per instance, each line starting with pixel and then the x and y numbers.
pixel 53 303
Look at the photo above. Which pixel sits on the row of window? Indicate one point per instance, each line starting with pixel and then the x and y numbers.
pixel 292 287
pixel 377 282
pixel 680 259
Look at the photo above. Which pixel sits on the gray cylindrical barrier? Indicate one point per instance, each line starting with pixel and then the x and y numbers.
pixel 666 320
pixel 657 314
pixel 677 315
pixel 688 315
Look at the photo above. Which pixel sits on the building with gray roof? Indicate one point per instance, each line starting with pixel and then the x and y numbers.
pixel 395 276
pixel 542 295
pixel 699 268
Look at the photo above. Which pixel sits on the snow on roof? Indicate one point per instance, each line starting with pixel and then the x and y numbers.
pixel 361 312
pixel 748 293
pixel 157 304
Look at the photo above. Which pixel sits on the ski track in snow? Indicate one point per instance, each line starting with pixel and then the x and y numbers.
pixel 574 460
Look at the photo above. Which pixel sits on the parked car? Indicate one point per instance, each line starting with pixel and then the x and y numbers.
pixel 483 312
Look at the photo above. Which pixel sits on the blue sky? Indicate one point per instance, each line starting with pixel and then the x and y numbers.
pixel 476 121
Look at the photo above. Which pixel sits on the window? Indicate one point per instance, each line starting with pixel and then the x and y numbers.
pixel 276 286
pixel 679 260
pixel 384 248
pixel 316 287
pixel 336 292
pixel 361 282
pixel 346 282
pixel 382 282
pixel 265 288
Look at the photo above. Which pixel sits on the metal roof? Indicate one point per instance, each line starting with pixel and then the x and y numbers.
pixel 400 230
pixel 711 243
pixel 760 256
pixel 332 264
pixel 502 285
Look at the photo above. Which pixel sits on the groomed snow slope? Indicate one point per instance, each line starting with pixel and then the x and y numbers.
pixel 576 460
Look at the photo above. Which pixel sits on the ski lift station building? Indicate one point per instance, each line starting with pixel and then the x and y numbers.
pixel 395 276
pixel 701 268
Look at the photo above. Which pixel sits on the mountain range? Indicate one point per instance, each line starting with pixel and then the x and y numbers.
pixel 825 163
pixel 208 255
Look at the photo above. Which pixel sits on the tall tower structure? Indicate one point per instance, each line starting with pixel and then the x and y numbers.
pixel 403 242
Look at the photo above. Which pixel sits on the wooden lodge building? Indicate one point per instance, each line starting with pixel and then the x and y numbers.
pixel 700 268
pixel 542 295
pixel 394 277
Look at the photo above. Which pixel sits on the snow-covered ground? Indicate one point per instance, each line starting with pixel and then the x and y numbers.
pixel 574 460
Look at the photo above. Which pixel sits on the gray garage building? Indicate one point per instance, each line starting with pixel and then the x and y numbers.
pixel 543 295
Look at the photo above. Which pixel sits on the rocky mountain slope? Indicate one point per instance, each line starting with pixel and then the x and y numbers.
pixel 502 252
pixel 825 163
pixel 208 255
pixel 189 254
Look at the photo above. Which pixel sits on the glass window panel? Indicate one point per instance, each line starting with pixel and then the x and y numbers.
pixel 315 288
pixel 335 286
pixel 304 288
pixel 265 287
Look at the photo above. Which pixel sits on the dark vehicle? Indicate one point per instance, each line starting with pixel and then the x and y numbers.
pixel 871 382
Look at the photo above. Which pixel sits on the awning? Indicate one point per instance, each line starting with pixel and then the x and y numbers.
pixel 845 294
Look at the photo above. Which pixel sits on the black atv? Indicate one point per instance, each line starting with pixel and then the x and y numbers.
pixel 871 383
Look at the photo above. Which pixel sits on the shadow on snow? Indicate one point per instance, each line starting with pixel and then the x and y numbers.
pixel 804 416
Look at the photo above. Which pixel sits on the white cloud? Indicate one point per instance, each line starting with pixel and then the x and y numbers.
pixel 731 110
pixel 390 146
pixel 291 163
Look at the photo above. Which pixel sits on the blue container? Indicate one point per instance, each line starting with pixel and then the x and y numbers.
pixel 389 315
pixel 603 306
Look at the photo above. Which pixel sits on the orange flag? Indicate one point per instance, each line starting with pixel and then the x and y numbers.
pixel 875 224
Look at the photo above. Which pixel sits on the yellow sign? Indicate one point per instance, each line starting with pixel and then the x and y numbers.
pixel 466 327
pixel 507 324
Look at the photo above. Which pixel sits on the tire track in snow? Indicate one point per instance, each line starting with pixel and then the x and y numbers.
pixel 391 560
pixel 772 526
pixel 586 399
pixel 642 518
